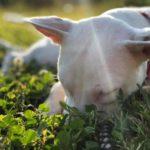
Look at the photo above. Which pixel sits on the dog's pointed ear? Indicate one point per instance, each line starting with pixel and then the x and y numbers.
pixel 53 27
pixel 140 42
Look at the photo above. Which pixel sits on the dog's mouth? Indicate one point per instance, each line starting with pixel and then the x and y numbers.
pixel 112 91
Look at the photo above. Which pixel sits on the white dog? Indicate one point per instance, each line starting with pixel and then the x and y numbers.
pixel 44 52
pixel 100 55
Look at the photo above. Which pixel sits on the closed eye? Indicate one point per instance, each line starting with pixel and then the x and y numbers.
pixel 107 93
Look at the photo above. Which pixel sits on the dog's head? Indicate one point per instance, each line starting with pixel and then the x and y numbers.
pixel 98 56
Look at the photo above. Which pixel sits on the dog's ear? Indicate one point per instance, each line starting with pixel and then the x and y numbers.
pixel 140 42
pixel 53 27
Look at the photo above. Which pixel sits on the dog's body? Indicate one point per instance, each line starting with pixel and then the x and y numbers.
pixel 44 52
pixel 100 55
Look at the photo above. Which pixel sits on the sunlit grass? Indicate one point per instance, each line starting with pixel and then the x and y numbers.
pixel 19 34
pixel 24 35
pixel 78 11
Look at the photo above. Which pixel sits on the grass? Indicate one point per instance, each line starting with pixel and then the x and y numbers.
pixel 132 121
pixel 18 34
pixel 24 35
